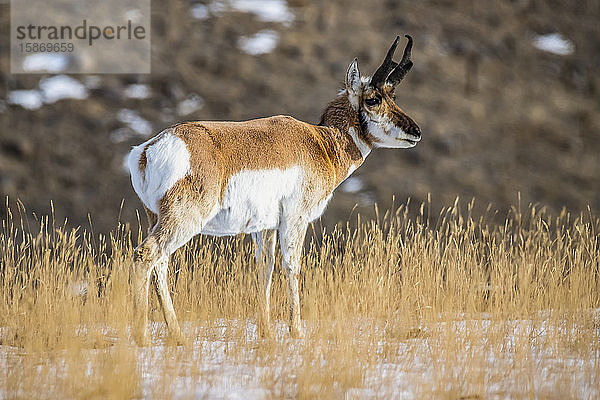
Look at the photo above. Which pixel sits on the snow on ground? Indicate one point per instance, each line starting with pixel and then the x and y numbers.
pixel 554 43
pixel 190 104
pixel 353 184
pixel 367 199
pixel 28 99
pixel 262 42
pixel 395 379
pixel 51 90
pixel 200 11
pixel 221 364
pixel 137 91
pixel 135 125
pixel 46 62
pixel 135 121
pixel 266 10
pixel 61 87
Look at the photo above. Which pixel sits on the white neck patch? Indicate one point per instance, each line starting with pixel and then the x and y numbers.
pixel 363 146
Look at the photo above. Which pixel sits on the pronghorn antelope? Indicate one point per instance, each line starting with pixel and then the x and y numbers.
pixel 265 177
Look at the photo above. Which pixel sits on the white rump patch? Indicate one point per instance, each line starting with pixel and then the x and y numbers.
pixel 253 201
pixel 167 161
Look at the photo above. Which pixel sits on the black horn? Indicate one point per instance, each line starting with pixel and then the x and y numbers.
pixel 386 67
pixel 403 67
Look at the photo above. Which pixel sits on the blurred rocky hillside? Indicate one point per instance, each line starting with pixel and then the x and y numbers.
pixel 507 94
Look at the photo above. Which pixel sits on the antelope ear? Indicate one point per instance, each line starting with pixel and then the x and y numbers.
pixel 353 78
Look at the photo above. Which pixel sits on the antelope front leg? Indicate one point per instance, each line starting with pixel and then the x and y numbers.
pixel 292 240
pixel 264 252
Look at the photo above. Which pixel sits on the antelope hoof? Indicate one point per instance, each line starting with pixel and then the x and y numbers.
pixel 177 339
pixel 142 339
pixel 297 332
pixel 265 331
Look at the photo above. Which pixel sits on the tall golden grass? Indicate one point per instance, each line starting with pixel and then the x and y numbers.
pixel 397 307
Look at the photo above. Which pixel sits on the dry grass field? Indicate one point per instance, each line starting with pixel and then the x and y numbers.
pixel 398 307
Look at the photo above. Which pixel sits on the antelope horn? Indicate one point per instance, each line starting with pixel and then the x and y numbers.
pixel 386 67
pixel 403 67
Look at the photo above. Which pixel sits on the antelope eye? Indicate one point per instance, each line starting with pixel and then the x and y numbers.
pixel 373 101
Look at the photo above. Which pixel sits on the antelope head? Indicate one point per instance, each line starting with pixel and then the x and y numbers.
pixel 381 119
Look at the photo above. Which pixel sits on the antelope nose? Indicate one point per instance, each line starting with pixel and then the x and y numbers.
pixel 415 131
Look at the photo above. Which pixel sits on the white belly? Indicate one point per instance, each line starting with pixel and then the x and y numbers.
pixel 253 201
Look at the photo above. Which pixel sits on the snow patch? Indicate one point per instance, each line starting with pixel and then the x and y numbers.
pixel 199 11
pixel 353 184
pixel 192 103
pixel 366 199
pixel 266 10
pixel 62 87
pixel 262 42
pixel 137 91
pixel 135 122
pixel 554 43
pixel 28 99
pixel 51 90
pixel 217 8
pixel 206 368
pixel 121 135
pixel 45 62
